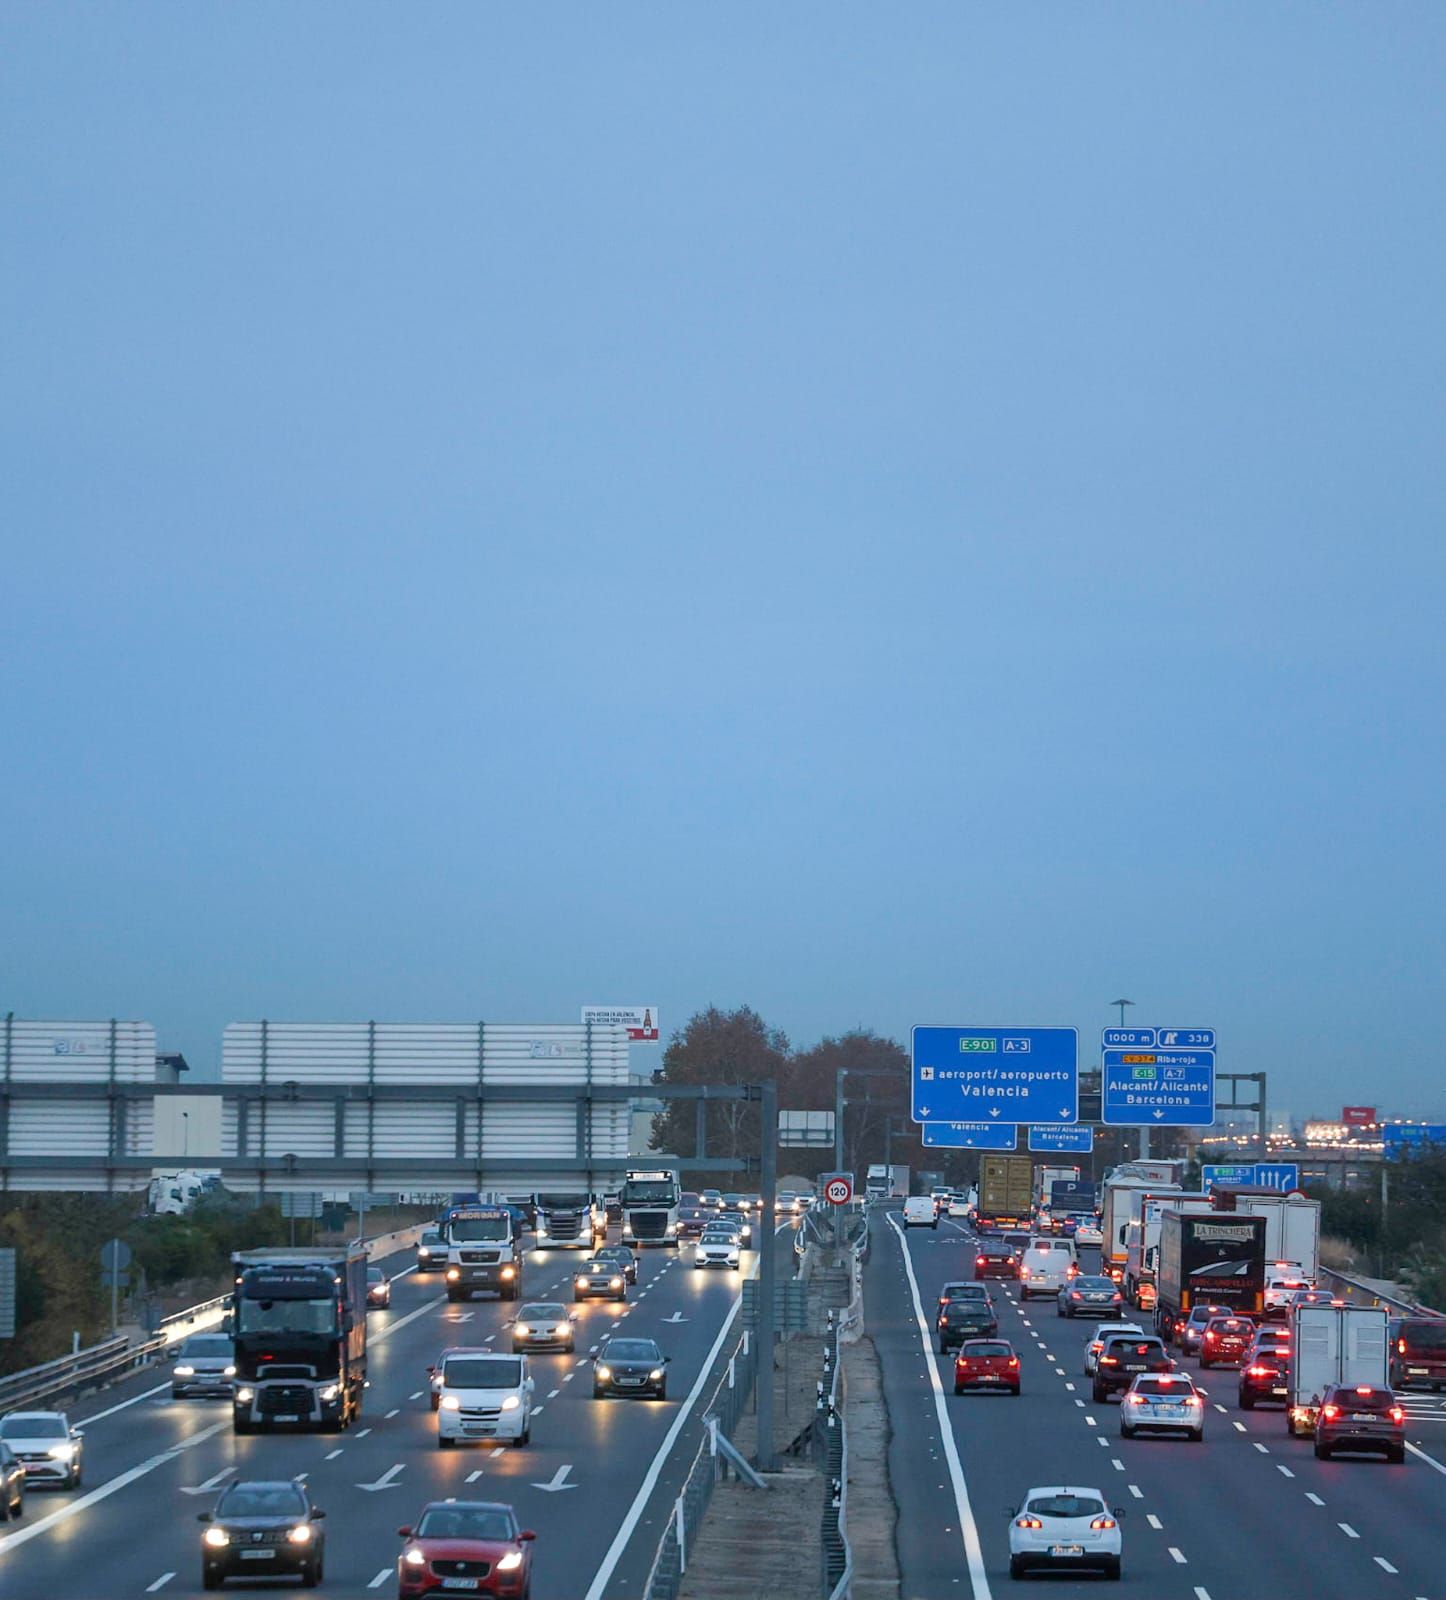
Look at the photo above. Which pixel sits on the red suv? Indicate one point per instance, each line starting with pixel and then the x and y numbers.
pixel 474 1545
pixel 1226 1341
pixel 986 1364
pixel 1360 1417
pixel 1418 1353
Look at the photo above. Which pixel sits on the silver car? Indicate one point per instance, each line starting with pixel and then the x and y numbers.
pixel 48 1447
pixel 205 1364
pixel 543 1325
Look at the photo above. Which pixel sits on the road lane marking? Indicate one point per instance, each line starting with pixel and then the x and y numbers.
pixel 361 1433
pixel 1284 1471
pixel 1430 1461
pixel 1314 1499
pixel 1070 1387
pixel 1115 1461
pixel 1348 1530
pixel 1219 1408
pixel 1080 1404
pixel 331 1455
pixel 1177 1556
pixel 1201 1594
pixel 1136 1490
pixel 1384 1565
pixel 1090 1422
pixel 416 1396
pixel 1262 1448
pixel 1100 1439
pixel 166 1577
pixel 472 1477
pixel 1240 1427
pixel 380 1578
pixel 1153 1520
pixel 111 1486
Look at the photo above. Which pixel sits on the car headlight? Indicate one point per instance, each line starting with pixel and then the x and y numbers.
pixel 217 1538
pixel 582 1283
pixel 521 1329
pixel 510 1562
pixel 330 1392
pixel 61 1452
pixel 414 1557
pixel 615 1283
pixel 605 1374
pixel 244 1395
pixel 300 1534
pixel 450 1402
pixel 732 1255
pixel 453 1273
pixel 656 1374
pixel 510 1403
pixel 185 1372
pixel 230 1372
pixel 509 1272
pixel 672 1227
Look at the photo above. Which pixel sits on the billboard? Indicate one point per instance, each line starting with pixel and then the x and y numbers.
pixel 1358 1116
pixel 641 1022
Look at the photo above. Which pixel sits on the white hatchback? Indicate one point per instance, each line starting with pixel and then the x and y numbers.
pixel 1066 1527
pixel 921 1212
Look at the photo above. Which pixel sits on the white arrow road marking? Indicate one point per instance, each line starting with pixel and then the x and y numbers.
pixel 677 1316
pixel 211 1484
pixel 558 1481
pixel 385 1481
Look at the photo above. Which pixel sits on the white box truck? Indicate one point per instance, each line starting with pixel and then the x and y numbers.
pixel 1332 1344
pixel 1292 1240
pixel 1142 1239
pixel 1123 1194
pixel 886 1182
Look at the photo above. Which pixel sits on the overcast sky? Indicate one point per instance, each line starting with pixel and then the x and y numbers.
pixel 884 514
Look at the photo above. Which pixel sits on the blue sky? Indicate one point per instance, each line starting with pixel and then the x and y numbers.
pixel 885 515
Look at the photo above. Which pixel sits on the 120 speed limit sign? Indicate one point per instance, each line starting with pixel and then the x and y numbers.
pixel 838 1191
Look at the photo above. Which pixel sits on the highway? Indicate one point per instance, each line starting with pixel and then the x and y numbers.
pixel 151 1463
pixel 1250 1514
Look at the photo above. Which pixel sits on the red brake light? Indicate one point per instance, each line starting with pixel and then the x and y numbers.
pixel 1330 1413
pixel 1259 1372
pixel 980 1261
pixel 1028 1522
pixel 1398 1415
pixel 1109 1361
pixel 1400 1347
pixel 1363 1388
pixel 1014 1361
pixel 1137 1399
pixel 1210 1333
pixel 1103 1522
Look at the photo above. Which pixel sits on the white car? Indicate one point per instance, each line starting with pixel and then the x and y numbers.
pixel 1283 1281
pixel 1046 1267
pixel 484 1397
pixel 920 1212
pixel 1089 1233
pixel 1106 1330
pixel 717 1247
pixel 48 1447
pixel 1167 1401
pixel 958 1204
pixel 1066 1527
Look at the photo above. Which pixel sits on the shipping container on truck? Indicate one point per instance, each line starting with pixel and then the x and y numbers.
pixel 1046 1177
pixel 299 1326
pixel 1332 1344
pixel 1123 1193
pixel 1142 1236
pixel 1006 1193
pixel 1208 1258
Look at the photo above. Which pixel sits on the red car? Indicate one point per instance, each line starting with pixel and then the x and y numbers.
pixel 1226 1340
pixel 471 1546
pixel 986 1364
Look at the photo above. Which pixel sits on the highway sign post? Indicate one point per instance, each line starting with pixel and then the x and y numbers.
pixel 968 1074
pixel 970 1135
pixel 1078 1139
pixel 1165 1081
pixel 115 1257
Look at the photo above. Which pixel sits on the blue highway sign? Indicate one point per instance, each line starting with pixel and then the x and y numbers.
pixel 1405 1138
pixel 1158 1088
pixel 995 1074
pixel 1077 1138
pixel 1282 1175
pixel 970 1135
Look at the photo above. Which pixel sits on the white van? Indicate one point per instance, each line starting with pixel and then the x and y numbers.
pixel 921 1212
pixel 1046 1266
pixel 483 1396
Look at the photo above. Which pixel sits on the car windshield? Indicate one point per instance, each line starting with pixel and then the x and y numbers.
pixel 211 1344
pixel 1095 1283
pixel 466 1522
pixel 1066 1505
pixel 376 1275
pixel 987 1347
pixel 1229 1325
pixel 542 1312
pixel 482 1372
pixel 652 1192
pixel 965 1291
pixel 432 1237
pixel 261 1500
pixel 966 1310
pixel 601 1269
pixel 614 1252
pixel 1424 1335
pixel 632 1350
pixel 32 1427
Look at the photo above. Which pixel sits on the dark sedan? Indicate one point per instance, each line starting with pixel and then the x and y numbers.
pixel 263 1529
pixel 599 1280
pixel 630 1367
pixel 1092 1296
pixel 466 1546
pixel 619 1256
pixel 959 1320
pixel 995 1261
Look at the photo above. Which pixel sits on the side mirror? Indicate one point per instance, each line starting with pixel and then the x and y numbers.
pixel 430 1371
pixel 317 1513
pixel 76 1433
pixel 1118 1513
pixel 205 1516
pixel 404 1532
pixel 526 1535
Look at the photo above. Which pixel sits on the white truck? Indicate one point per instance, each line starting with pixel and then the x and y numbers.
pixel 172 1194
pixel 1122 1196
pixel 1142 1237
pixel 1292 1240
pixel 886 1182
pixel 1044 1180
pixel 1332 1344
pixel 650 1199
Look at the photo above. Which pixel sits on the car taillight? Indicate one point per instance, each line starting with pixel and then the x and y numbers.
pixel 1137 1399
pixel 1028 1522
pixel 1014 1361
pixel 1109 1361
pixel 1330 1413
pixel 1210 1335
pixel 1259 1372
pixel 1397 1415
pixel 981 1261
pixel 1074 1294
pixel 1103 1522
pixel 1400 1347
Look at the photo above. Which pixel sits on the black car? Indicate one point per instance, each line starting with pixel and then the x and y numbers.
pixel 995 1261
pixel 628 1367
pixel 613 1205
pixel 959 1320
pixel 600 1279
pixel 12 1483
pixel 1090 1296
pixel 263 1530
pixel 618 1255
pixel 1360 1417
pixel 1265 1370
pixel 1124 1358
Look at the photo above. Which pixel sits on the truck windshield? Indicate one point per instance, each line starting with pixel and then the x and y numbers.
pixel 650 1192
pixel 560 1202
pixel 468 1230
pixel 286 1316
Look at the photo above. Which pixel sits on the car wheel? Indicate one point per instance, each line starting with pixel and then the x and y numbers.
pixel 525 1437
pixel 1112 1569
pixel 1205 1365
pixel 1197 1436
pixel 75 1479
pixel 1097 1393
pixel 1397 1454
pixel 1016 1567
pixel 1126 1433
pixel 310 1577
pixel 444 1443
pixel 1322 1451
pixel 436 1402
pixel 597 1393
pixel 1247 1400
pixel 958 1388
pixel 209 1579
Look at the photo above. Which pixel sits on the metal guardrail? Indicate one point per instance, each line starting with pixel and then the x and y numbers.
pixel 1359 1293
pixel 710 1466
pixel 838 1559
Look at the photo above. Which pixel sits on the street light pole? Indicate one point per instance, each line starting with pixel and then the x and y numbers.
pixel 1144 1130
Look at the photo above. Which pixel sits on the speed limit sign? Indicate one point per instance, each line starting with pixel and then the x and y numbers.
pixel 839 1189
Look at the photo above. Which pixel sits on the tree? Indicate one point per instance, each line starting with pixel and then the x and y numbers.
pixel 869 1099
pixel 725 1047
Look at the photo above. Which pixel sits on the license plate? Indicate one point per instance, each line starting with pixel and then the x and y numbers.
pixel 1170 1411
pixel 1133 1367
pixel 1066 1549
pixel 630 1382
pixel 287 1416
pixel 1363 1416
pixel 258 1555
pixel 460 1583
pixel 1416 1372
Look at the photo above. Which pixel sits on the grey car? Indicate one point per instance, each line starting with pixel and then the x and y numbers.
pixel 205 1364
pixel 12 1484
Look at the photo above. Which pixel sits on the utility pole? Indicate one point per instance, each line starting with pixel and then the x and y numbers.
pixel 767 1276
pixel 1144 1130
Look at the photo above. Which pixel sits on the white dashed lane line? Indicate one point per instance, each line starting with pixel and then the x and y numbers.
pixel 166 1577
pixel 1136 1490
pixel 1348 1530
pixel 1153 1520
pixel 1177 1556
pixel 1384 1565
pixel 1285 1472
pixel 1314 1499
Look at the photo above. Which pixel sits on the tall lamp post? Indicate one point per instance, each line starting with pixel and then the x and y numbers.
pixel 1144 1131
